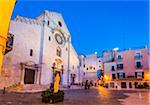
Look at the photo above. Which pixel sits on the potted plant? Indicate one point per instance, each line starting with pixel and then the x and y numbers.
pixel 49 97
pixel 46 96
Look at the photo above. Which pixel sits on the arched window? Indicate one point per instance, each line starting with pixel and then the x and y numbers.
pixel 48 23
pixel 119 57
pixel 58 52
pixel 59 23
pixel 31 52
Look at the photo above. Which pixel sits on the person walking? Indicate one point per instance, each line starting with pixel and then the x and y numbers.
pixel 86 84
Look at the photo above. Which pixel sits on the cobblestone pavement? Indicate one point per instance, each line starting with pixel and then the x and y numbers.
pixel 99 96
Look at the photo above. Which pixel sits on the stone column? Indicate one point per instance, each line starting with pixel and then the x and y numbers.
pixel 22 74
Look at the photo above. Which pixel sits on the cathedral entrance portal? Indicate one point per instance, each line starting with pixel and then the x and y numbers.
pixel 58 69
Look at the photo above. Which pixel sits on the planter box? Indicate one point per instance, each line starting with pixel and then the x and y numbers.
pixel 49 97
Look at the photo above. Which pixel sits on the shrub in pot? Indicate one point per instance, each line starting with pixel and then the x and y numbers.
pixel 46 96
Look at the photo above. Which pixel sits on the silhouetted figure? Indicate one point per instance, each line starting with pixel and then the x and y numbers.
pixel 91 83
pixel 4 90
pixel 86 84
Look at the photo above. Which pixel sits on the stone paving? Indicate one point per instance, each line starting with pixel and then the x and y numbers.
pixel 99 96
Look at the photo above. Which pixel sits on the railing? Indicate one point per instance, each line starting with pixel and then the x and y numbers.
pixel 139 67
pixel 138 57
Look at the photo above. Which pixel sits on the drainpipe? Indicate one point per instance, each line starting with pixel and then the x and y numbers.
pixel 68 75
pixel 41 47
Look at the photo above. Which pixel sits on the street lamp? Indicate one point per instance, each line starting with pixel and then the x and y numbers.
pixel 53 68
pixel 68 60
pixel 62 71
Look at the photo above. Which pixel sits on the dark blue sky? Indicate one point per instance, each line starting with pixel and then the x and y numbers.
pixel 97 25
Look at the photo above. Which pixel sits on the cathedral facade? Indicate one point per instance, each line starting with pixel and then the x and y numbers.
pixel 41 47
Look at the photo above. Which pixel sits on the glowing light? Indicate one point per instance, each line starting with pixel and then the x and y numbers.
pixel 147 76
pixel 106 78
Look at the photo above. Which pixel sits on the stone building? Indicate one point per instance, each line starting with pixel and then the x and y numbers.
pixel 89 67
pixel 41 47
pixel 128 69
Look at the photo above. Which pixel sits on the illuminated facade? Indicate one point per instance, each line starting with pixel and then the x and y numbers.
pixel 41 47
pixel 89 67
pixel 127 69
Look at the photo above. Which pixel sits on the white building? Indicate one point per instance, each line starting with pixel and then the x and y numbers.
pixel 89 65
pixel 41 47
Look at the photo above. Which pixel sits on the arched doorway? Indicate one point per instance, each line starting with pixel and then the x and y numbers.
pixel 58 69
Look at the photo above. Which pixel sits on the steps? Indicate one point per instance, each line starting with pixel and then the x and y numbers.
pixel 28 88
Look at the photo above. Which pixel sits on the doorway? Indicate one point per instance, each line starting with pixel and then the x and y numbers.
pixel 130 85
pixel 29 76
pixel 123 85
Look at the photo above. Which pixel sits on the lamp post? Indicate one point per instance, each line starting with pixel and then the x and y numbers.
pixel 68 60
pixel 62 72
pixel 53 68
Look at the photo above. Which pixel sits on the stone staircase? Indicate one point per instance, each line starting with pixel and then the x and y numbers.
pixel 27 88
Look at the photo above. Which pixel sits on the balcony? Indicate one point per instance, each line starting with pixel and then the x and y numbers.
pixel 138 56
pixel 139 67
pixel 119 58
pixel 131 77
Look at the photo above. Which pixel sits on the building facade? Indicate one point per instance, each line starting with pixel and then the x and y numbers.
pixel 90 65
pixel 128 69
pixel 41 47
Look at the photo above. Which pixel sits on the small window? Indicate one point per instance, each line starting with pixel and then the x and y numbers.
pixel 49 38
pixel 113 68
pixel 86 68
pixel 58 52
pixel 138 55
pixel 119 57
pixel 120 66
pixel 94 68
pixel 113 76
pixel 66 49
pixel 48 23
pixel 99 61
pixel 121 75
pixel 138 64
pixel 31 52
pixel 59 23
